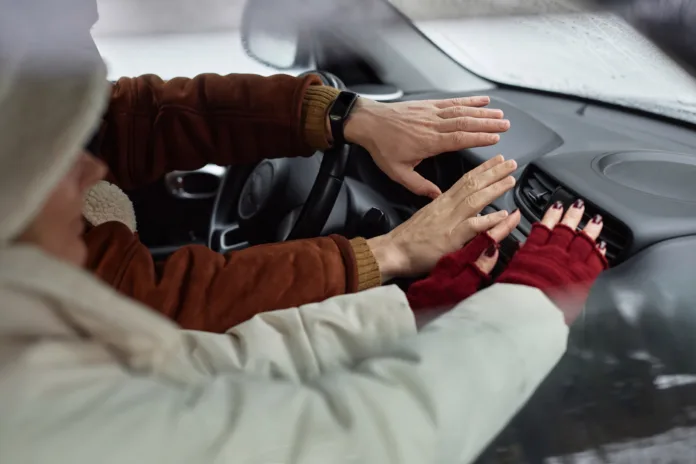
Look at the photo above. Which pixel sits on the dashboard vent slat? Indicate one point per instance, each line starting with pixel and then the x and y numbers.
pixel 535 192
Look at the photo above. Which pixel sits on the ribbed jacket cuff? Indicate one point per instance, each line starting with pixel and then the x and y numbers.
pixel 315 106
pixel 367 267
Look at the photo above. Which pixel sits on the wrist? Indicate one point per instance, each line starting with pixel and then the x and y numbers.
pixel 386 255
pixel 355 128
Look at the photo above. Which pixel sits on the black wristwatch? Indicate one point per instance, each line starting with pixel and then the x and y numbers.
pixel 338 115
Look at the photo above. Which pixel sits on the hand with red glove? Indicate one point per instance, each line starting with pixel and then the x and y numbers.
pixel 460 274
pixel 559 260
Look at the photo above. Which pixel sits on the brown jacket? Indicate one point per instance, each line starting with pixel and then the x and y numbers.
pixel 153 127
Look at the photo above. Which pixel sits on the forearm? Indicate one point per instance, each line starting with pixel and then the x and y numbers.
pixel 441 396
pixel 154 126
pixel 204 290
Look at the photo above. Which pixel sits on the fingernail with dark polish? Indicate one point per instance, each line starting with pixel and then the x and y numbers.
pixel 558 205
pixel 490 252
pixel 578 203
pixel 602 245
pixel 597 219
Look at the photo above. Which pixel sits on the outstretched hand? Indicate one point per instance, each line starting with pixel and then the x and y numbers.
pixel 445 224
pixel 560 260
pixel 462 273
pixel 400 135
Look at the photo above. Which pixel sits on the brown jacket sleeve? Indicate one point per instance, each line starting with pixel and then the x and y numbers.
pixel 153 126
pixel 204 290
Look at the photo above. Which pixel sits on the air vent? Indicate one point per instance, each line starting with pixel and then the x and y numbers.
pixel 614 232
pixel 537 190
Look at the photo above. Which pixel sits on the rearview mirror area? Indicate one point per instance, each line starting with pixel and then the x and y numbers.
pixel 271 35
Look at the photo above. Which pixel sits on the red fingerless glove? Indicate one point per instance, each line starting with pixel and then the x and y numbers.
pixel 453 279
pixel 557 259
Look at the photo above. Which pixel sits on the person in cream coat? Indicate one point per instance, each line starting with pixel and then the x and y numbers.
pixel 88 375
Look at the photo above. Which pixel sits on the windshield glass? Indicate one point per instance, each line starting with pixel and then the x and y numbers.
pixel 598 56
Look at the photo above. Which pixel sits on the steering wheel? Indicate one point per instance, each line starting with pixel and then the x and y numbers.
pixel 225 233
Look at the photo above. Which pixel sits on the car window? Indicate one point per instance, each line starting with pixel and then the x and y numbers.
pixel 172 38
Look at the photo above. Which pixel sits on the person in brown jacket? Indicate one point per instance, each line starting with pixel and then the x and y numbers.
pixel 153 127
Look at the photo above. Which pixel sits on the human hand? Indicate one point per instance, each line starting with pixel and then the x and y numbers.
pixel 559 260
pixel 460 274
pixel 400 135
pixel 445 224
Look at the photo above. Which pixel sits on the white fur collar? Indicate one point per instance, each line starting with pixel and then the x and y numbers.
pixel 106 202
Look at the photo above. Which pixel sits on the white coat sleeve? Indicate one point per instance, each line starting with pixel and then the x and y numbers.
pixel 438 396
pixel 298 343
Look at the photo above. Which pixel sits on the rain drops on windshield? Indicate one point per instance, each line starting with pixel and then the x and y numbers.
pixel 595 55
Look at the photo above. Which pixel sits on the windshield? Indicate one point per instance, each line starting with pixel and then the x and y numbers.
pixel 597 56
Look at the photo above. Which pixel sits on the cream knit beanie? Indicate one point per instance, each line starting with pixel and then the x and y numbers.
pixel 51 98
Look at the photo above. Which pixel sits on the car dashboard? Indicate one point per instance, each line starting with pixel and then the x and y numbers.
pixel 638 173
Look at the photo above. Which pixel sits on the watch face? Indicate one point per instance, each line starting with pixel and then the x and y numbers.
pixel 344 102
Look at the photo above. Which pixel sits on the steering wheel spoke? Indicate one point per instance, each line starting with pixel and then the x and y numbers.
pixel 228 238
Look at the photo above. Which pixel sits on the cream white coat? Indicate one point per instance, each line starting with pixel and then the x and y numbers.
pixel 88 376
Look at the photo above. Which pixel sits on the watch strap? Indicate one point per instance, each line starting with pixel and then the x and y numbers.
pixel 338 115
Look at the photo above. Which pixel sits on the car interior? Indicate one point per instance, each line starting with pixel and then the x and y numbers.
pixel 635 168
